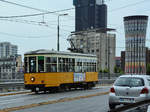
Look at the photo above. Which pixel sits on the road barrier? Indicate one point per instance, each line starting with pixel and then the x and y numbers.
pixel 106 81
pixel 11 86
pixel 19 85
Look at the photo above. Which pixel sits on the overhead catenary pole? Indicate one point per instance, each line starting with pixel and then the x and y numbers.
pixel 58 44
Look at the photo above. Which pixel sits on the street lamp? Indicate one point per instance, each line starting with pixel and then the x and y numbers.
pixel 58 30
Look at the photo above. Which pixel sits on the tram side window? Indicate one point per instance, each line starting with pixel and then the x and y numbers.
pixel 66 64
pixel 84 67
pixel 40 63
pixel 51 64
pixel 79 65
pixel 71 64
pixel 32 64
pixel 88 67
pixel 95 69
pixel 62 65
pixel 92 67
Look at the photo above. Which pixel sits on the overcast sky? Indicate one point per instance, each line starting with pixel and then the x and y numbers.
pixel 29 34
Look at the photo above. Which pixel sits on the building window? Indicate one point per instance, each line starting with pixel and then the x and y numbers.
pixel 92 51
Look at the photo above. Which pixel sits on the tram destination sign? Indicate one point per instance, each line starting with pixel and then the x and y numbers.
pixel 79 77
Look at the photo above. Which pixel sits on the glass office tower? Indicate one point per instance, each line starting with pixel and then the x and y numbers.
pixel 90 14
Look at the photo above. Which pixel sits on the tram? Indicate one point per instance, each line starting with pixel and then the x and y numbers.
pixel 47 70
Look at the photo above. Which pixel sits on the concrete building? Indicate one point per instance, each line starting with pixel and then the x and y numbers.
pixel 135 35
pixel 7 49
pixel 11 68
pixel 95 42
pixel 10 62
pixel 90 14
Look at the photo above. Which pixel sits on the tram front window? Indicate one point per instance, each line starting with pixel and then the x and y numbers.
pixel 32 64
pixel 26 64
pixel 40 63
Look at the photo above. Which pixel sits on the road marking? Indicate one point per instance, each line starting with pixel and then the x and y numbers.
pixel 52 102
pixel 14 93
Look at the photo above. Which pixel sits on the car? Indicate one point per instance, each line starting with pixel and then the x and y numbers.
pixel 129 89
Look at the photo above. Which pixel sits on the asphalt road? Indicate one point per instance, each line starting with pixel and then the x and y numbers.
pixel 93 104
pixel 26 99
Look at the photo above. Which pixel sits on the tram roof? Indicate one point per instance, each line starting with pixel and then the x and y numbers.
pixel 45 51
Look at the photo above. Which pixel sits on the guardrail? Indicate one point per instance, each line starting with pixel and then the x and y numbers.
pixel 106 81
pixel 10 86
pixel 10 80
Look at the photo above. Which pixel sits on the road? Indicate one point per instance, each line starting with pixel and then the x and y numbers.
pixel 89 104
pixel 93 104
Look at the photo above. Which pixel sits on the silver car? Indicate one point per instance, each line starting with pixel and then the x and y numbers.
pixel 129 89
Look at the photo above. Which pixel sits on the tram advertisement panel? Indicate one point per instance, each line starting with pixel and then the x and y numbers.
pixel 78 77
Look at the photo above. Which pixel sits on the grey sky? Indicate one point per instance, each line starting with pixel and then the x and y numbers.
pixel 31 37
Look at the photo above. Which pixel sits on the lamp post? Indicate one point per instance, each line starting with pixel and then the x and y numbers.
pixel 58 30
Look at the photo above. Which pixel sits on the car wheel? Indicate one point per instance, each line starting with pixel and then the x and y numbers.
pixel 112 106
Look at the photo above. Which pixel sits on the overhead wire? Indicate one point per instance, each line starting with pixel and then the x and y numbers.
pixel 37 14
pixel 68 9
pixel 31 37
pixel 49 12
pixel 13 3
pixel 34 23
pixel 21 36
pixel 126 6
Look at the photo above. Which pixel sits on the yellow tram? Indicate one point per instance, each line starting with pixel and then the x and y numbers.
pixel 47 70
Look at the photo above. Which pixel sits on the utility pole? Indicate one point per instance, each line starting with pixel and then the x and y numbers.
pixel 108 58
pixel 58 45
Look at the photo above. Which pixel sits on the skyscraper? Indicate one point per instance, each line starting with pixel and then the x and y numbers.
pixel 135 35
pixel 7 49
pixel 90 14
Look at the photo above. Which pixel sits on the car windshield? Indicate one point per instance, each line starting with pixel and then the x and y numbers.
pixel 129 81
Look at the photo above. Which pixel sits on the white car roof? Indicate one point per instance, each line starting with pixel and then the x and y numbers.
pixel 141 76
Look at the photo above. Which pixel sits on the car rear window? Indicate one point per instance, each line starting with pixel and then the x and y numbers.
pixel 129 81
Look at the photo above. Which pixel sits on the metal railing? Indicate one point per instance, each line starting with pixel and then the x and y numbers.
pixel 108 75
pixel 11 77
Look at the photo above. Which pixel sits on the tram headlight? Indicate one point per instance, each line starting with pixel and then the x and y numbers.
pixel 32 79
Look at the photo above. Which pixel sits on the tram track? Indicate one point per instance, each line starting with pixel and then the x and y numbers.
pixel 28 92
pixel 64 99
